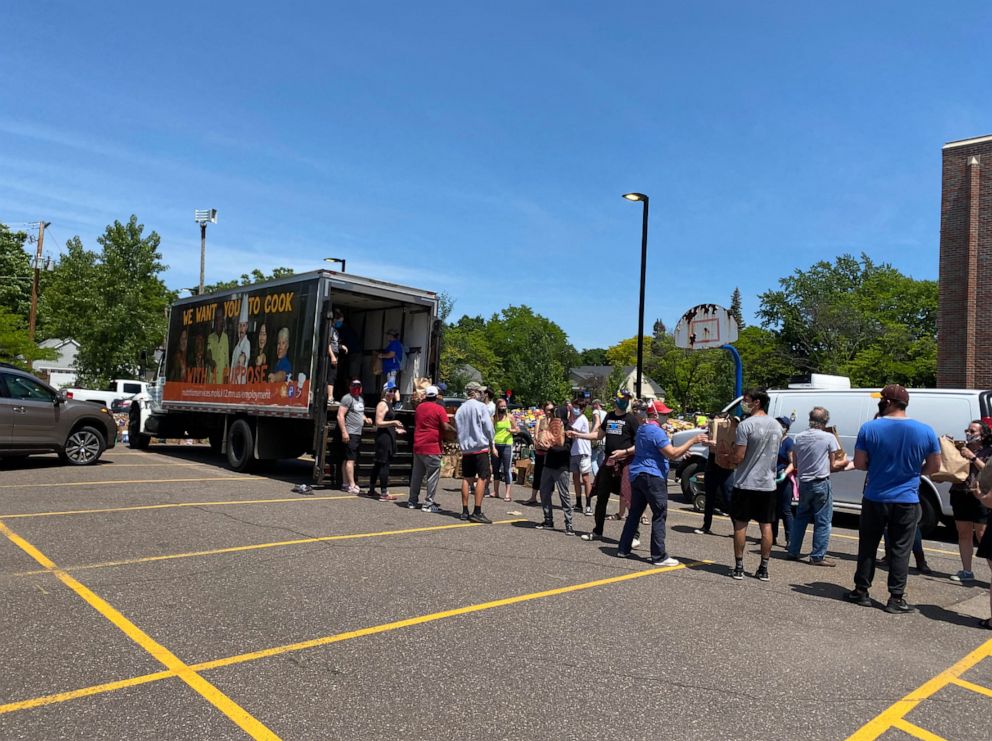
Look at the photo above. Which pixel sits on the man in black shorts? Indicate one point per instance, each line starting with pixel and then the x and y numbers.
pixel 617 429
pixel 756 451
pixel 474 425
pixel 351 419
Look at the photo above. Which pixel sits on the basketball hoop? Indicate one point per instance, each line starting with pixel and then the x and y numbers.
pixel 705 327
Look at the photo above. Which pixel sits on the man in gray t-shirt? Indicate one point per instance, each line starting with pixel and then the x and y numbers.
pixel 351 418
pixel 813 457
pixel 754 497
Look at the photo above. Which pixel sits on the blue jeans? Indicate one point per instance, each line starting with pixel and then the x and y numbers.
pixel 816 505
pixel 647 491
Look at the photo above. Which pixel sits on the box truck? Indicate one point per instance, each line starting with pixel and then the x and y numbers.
pixel 247 368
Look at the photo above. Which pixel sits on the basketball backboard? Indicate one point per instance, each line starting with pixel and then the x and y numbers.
pixel 705 326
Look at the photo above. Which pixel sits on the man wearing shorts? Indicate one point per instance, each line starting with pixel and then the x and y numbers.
pixel 756 453
pixel 351 419
pixel 475 430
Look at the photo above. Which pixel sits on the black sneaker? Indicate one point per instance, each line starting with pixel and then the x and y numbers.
pixel 569 530
pixel 738 572
pixel 859 598
pixel 899 606
pixel 761 574
pixel 546 525
pixel 479 518
pixel 463 516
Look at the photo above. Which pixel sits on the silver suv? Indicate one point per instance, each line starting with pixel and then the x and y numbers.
pixel 35 418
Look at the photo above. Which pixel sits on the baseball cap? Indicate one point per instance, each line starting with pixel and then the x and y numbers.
pixel 430 391
pixel 895 392
pixel 786 422
pixel 356 382
pixel 388 385
pixel 658 407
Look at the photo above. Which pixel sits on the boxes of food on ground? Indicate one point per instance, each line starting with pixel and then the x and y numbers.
pixel 523 466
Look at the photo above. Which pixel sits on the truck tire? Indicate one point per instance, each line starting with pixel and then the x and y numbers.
pixel 136 440
pixel 83 447
pixel 240 446
pixel 930 512
pixel 686 481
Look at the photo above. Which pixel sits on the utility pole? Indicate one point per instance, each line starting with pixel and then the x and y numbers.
pixel 203 253
pixel 34 286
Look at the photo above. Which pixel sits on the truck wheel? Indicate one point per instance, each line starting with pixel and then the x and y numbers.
pixel 136 440
pixel 240 446
pixel 686 477
pixel 83 447
pixel 930 515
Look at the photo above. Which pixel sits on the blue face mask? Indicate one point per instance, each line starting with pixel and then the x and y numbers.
pixel 338 323
pixel 622 404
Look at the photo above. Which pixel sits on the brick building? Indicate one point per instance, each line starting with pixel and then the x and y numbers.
pixel 964 325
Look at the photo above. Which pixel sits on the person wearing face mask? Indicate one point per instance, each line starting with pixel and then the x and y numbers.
pixel 506 427
pixel 617 433
pixel 895 450
pixel 387 427
pixel 652 452
pixel 970 516
pixel 540 450
pixel 756 453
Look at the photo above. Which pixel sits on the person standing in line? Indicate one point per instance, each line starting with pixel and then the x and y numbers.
pixel 474 425
pixel 983 494
pixel 784 482
pixel 617 433
pixel 557 461
pixel 581 454
pixel 649 481
pixel 387 427
pixel 487 399
pixel 392 356
pixel 598 446
pixel 505 427
pixel 539 450
pixel 717 482
pixel 813 459
pixel 430 423
pixel 351 419
pixel 970 516
pixel 756 452
pixel 895 450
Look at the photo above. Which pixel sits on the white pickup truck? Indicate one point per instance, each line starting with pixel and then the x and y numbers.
pixel 116 390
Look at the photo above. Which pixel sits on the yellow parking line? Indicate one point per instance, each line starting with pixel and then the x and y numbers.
pixel 229 502
pixel 894 715
pixel 259 546
pixel 60 484
pixel 338 637
pixel 177 667
pixel 916 732
pixel 972 686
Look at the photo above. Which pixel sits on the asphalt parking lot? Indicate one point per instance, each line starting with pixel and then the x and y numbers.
pixel 157 594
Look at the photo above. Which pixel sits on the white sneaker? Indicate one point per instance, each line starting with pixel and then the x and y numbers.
pixel 635 543
pixel 667 562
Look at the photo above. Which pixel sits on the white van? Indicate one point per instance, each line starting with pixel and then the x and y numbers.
pixel 948 411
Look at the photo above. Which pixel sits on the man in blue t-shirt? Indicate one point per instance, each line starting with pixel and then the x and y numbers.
pixel 895 450
pixel 648 486
pixel 392 356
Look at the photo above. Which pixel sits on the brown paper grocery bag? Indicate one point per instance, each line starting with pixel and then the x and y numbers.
pixel 954 467
pixel 839 455
pixel 723 433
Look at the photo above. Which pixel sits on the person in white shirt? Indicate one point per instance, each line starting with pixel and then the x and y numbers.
pixel 581 463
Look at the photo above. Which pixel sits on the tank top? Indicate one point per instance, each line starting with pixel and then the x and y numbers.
pixel 503 435
pixel 387 432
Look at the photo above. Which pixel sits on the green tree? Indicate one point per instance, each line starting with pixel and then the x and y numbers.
pixel 15 272
pixel 858 318
pixel 592 356
pixel 764 363
pixel 247 279
pixel 535 353
pixel 466 343
pixel 735 308
pixel 112 302
pixel 16 346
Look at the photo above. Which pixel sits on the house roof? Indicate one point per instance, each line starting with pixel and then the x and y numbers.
pixel 56 343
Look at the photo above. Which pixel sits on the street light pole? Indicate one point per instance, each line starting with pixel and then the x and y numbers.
pixel 204 217
pixel 337 259
pixel 640 311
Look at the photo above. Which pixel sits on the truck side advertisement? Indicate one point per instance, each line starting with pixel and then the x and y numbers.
pixel 253 347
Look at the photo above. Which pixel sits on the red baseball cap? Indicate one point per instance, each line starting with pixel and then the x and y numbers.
pixel 658 407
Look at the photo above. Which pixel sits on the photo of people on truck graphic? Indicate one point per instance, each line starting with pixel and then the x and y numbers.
pixel 251 347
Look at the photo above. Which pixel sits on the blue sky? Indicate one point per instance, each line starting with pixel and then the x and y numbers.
pixel 483 152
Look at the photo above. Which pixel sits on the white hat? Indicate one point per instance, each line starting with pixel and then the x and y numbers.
pixel 430 391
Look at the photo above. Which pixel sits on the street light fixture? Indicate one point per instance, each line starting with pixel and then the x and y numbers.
pixel 204 217
pixel 644 264
pixel 337 259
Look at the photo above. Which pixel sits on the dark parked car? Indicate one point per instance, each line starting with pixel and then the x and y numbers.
pixel 35 418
